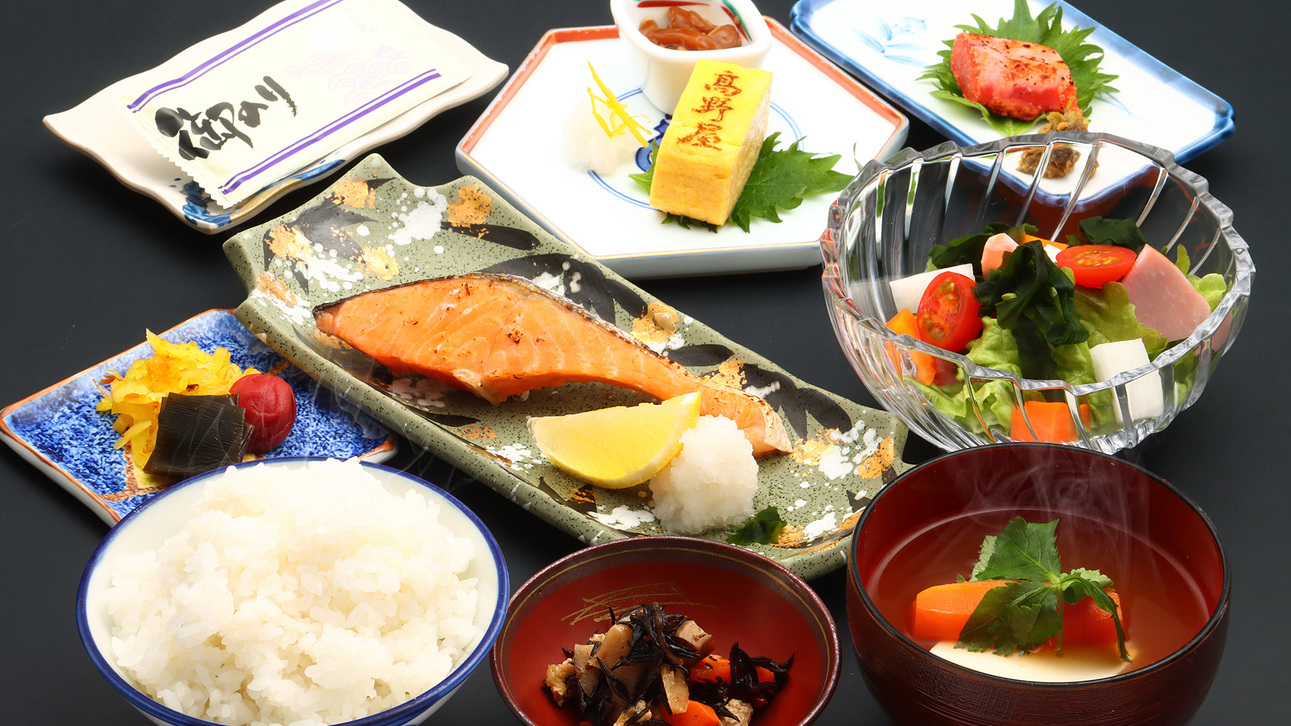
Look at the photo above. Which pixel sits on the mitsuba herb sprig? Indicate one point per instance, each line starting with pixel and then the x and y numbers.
pixel 1021 615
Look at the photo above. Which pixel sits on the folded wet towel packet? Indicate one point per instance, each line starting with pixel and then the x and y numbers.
pixel 292 85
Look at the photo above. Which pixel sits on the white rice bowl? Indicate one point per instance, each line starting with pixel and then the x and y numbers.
pixel 711 483
pixel 301 596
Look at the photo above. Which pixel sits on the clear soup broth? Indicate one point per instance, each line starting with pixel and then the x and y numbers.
pixel 1163 606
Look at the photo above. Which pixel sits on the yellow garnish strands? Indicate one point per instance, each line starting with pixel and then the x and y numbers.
pixel 619 119
pixel 135 398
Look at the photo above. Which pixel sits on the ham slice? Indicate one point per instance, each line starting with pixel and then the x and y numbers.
pixel 1163 298
pixel 1011 77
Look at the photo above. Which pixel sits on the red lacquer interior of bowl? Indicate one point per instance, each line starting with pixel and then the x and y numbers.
pixel 915 687
pixel 736 596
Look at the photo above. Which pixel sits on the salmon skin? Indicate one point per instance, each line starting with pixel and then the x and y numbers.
pixel 497 336
pixel 1011 77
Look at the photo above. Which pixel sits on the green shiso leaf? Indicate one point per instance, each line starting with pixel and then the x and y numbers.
pixel 1082 58
pixel 1022 615
pixel 780 180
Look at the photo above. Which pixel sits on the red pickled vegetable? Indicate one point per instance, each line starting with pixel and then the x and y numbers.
pixel 271 408
pixel 688 30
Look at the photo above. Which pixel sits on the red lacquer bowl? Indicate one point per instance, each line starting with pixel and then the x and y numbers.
pixel 732 593
pixel 988 485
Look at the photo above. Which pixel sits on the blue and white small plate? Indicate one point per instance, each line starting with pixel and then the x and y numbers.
pixel 60 432
pixel 888 45
pixel 517 147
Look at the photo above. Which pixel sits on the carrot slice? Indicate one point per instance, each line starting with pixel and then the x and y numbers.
pixel 714 667
pixel 1047 242
pixel 1084 623
pixel 1051 421
pixel 696 714
pixel 929 370
pixel 940 612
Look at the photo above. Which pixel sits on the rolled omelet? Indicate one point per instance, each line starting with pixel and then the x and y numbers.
pixel 712 142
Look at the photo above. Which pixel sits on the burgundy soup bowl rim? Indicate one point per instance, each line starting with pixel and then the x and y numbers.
pixel 1216 618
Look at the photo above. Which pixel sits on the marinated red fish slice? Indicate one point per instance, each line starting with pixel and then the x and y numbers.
pixel 1011 77
pixel 498 336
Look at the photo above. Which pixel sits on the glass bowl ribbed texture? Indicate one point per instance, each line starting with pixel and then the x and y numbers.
pixel 894 212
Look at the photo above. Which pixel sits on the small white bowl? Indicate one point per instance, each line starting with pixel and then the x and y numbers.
pixel 145 528
pixel 665 70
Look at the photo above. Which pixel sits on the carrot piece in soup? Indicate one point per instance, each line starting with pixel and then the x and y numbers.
pixel 696 714
pixel 1085 624
pixel 941 611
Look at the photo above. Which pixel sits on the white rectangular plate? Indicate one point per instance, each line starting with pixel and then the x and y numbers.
pixel 518 147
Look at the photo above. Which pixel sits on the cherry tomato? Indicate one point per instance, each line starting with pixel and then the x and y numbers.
pixel 1096 265
pixel 947 316
pixel 271 408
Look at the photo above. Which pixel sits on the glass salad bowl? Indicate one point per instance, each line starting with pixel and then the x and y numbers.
pixel 885 224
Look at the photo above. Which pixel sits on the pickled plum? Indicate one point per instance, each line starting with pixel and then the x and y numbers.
pixel 271 408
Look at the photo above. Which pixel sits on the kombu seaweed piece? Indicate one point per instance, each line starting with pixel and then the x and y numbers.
pixel 196 434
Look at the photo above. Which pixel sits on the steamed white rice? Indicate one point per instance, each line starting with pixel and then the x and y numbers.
pixel 711 483
pixel 301 598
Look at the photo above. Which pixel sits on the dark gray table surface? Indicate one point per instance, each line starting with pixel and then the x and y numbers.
pixel 88 264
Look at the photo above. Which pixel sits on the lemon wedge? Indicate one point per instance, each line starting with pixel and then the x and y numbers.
pixel 619 447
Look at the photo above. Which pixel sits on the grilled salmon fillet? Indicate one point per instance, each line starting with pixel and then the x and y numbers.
pixel 1011 77
pixel 497 336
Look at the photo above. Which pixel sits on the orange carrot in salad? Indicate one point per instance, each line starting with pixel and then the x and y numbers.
pixel 941 611
pixel 929 370
pixel 1051 421
pixel 696 714
pixel 1048 242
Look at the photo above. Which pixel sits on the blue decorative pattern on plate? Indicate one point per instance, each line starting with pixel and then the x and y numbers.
pixel 60 432
pixel 887 45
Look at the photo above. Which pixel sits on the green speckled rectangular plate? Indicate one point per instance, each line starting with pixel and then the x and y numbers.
pixel 373 229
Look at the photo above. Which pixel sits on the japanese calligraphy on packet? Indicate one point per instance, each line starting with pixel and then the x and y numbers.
pixel 292 85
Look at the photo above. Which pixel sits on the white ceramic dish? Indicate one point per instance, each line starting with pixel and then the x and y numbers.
pixel 147 527
pixel 665 71
pixel 888 45
pixel 608 218
pixel 103 132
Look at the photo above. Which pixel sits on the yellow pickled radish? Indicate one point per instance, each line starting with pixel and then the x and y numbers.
pixel 619 447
